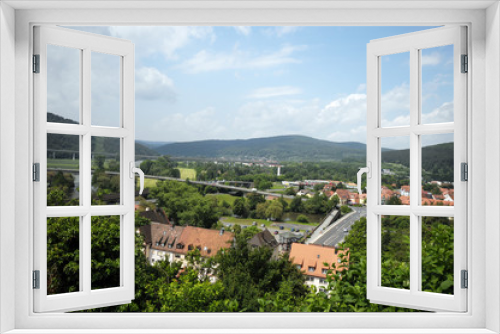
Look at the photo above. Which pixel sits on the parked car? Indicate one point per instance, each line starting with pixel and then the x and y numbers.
pixel 281 227
pixel 263 225
pixel 293 230
pixel 254 223
pixel 275 232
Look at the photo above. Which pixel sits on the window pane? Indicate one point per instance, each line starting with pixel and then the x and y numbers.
pixel 437 84
pixel 63 257
pixel 63 84
pixel 395 171
pixel 105 89
pixel 105 171
pixel 437 254
pixel 395 252
pixel 437 169
pixel 105 252
pixel 63 169
pixel 395 89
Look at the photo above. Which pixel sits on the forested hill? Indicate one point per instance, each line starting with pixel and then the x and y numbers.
pixel 108 145
pixel 437 160
pixel 282 148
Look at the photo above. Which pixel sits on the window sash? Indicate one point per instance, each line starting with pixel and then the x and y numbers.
pixel 86 297
pixel 414 298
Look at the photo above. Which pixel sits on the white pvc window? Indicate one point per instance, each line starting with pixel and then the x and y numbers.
pixel 84 125
pixel 411 126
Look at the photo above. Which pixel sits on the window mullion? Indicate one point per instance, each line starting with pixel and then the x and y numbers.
pixel 414 169
pixel 86 161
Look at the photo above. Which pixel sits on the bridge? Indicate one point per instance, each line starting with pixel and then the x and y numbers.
pixel 204 183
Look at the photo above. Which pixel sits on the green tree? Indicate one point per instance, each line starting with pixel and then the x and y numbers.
pixel 240 208
pixel 274 210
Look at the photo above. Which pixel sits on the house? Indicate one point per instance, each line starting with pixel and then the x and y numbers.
pixel 286 239
pixel 362 198
pixel 343 195
pixel 172 243
pixel 265 239
pixel 353 198
pixel 311 259
pixel 155 216
pixel 386 194
pixel 305 192
pixel 405 190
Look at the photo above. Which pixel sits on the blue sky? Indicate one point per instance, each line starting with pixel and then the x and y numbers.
pixel 195 83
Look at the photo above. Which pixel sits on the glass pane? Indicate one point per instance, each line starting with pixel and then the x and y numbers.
pixel 395 89
pixel 63 257
pixel 105 252
pixel 105 171
pixel 396 252
pixel 63 170
pixel 437 169
pixel 105 89
pixel 63 84
pixel 437 84
pixel 437 254
pixel 395 171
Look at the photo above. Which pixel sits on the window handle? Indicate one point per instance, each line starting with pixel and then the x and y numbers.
pixel 134 170
pixel 368 171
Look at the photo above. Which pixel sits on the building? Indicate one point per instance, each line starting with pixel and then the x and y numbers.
pixel 286 239
pixel 311 259
pixel 343 195
pixel 265 239
pixel 172 243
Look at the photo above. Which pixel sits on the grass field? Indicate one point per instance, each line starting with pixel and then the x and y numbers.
pixel 150 183
pixel 188 173
pixel 225 197
pixel 63 163
pixel 249 221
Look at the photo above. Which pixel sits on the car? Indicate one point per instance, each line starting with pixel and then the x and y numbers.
pixel 263 225
pixel 293 230
pixel 254 223
pixel 281 227
pixel 276 232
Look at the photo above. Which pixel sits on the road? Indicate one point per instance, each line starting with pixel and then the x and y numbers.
pixel 335 233
pixel 324 225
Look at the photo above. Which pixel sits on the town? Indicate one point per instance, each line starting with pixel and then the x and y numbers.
pixel 247 236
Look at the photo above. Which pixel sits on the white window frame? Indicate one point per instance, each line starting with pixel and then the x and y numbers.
pixel 483 19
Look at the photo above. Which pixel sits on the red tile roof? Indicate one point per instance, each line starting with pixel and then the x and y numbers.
pixel 314 256
pixel 182 239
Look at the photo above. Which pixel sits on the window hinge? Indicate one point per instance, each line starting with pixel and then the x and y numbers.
pixel 36 63
pixel 465 279
pixel 465 64
pixel 464 171
pixel 36 279
pixel 36 172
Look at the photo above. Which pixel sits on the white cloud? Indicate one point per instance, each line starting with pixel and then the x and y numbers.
pixel 151 84
pixel 166 40
pixel 199 125
pixel 244 30
pixel 361 88
pixel 442 114
pixel 267 92
pixel 205 61
pixel 349 109
pixel 432 59
pixel 280 31
pixel 395 106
